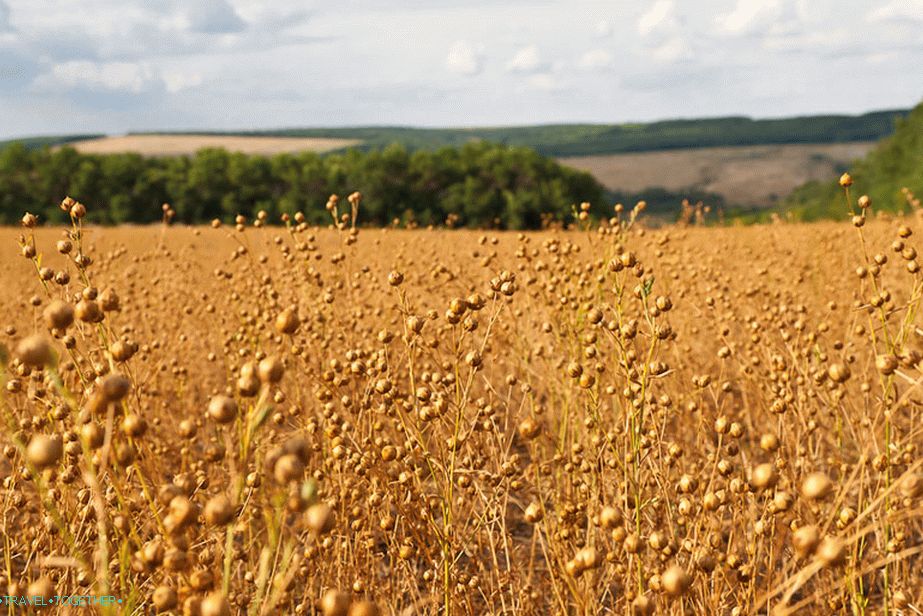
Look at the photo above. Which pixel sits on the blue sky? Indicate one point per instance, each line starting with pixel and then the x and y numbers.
pixel 119 65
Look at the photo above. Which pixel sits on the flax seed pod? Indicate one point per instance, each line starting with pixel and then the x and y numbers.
pixel 816 486
pixel 675 581
pixel 334 603
pixel 59 315
pixel 288 321
pixel 764 477
pixel 222 409
pixel 34 351
pixel 44 451
pixel 114 387
pixel 270 370
pixel 215 604
pixel 320 518
pixel 164 598
pixel 219 510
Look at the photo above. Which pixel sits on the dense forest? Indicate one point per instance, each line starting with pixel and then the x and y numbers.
pixel 481 184
pixel 896 163
pixel 589 139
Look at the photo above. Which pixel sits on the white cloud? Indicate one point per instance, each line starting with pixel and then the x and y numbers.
pixel 660 16
pixel 748 15
pixel 178 81
pixel 595 59
pixel 604 28
pixel 4 17
pixel 898 10
pixel 463 59
pixel 671 50
pixel 545 81
pixel 115 76
pixel 526 60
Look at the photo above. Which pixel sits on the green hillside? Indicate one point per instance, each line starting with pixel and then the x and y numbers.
pixel 589 139
pixel 894 164
pixel 34 143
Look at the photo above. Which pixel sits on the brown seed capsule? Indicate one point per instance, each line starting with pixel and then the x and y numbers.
pixel 769 442
pixel 164 598
pixel 886 364
pixel 288 322
pixel 805 540
pixel 319 518
pixel 34 351
pixel 364 608
pixel 642 606
pixel 134 426
pixel 114 387
pixel 764 476
pixel 271 370
pixel 395 278
pixel 121 351
pixel 88 311
pixel 845 180
pixel 219 510
pixel 288 467
pixel 44 450
pixel 93 434
pixel 831 551
pixel 529 428
pixel 675 581
pixel 588 558
pixel 334 603
pixel 59 315
pixel 816 486
pixel 109 301
pixel 222 409
pixel 838 373
pixel 911 486
pixel 215 604
pixel 610 517
pixel 534 513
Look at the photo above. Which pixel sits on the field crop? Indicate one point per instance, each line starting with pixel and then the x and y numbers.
pixel 179 144
pixel 753 176
pixel 268 418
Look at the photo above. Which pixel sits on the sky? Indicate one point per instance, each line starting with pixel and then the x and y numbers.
pixel 114 66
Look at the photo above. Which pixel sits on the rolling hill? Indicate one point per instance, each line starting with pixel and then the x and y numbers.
pixel 894 164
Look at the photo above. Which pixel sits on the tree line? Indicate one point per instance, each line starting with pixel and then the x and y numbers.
pixel 480 184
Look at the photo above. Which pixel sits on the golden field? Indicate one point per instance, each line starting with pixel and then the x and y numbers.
pixel 287 420
pixel 180 145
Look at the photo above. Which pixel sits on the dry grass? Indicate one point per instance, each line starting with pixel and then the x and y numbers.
pixel 176 145
pixel 269 420
pixel 748 175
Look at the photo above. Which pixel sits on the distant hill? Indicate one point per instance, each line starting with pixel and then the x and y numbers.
pixel 33 143
pixel 896 163
pixel 593 139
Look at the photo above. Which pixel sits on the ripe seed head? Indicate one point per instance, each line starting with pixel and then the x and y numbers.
pixel 35 351
pixel 44 450
pixel 675 581
pixel 222 409
pixel 320 518
pixel 215 604
pixel 816 486
pixel 59 315
pixel 764 476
